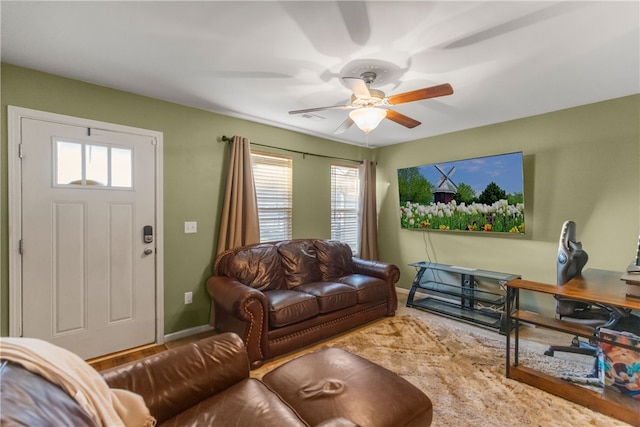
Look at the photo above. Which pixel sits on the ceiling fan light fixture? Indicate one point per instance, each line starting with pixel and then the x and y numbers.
pixel 367 119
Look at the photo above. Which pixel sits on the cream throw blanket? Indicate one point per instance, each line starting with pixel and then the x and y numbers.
pixel 108 407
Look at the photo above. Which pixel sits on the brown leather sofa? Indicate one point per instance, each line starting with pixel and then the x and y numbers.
pixel 281 296
pixel 208 383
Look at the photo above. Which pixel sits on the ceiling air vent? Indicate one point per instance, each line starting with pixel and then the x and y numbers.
pixel 312 117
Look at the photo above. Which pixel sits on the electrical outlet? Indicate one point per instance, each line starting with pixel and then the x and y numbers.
pixel 188 297
pixel 190 227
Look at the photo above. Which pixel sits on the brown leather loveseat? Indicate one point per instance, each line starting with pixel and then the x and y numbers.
pixel 283 295
pixel 208 383
pixel 205 383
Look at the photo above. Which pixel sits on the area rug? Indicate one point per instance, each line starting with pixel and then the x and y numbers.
pixel 463 373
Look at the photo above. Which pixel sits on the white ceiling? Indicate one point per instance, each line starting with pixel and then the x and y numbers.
pixel 259 60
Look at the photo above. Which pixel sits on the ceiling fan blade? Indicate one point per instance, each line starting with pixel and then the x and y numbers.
pixel 357 86
pixel 401 119
pixel 344 126
pixel 356 20
pixel 417 95
pixel 311 110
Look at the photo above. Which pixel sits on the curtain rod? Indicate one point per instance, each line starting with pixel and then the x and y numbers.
pixel 227 139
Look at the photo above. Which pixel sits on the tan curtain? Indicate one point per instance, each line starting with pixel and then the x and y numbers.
pixel 239 224
pixel 368 232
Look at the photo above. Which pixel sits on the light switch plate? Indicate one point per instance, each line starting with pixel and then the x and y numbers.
pixel 190 227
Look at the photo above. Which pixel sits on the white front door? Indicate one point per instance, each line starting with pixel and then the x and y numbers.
pixel 89 231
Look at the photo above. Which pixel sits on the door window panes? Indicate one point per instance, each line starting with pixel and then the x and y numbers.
pixel 80 165
pixel 69 163
pixel 121 167
pixel 97 165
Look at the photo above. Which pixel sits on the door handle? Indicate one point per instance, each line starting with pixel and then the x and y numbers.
pixel 148 251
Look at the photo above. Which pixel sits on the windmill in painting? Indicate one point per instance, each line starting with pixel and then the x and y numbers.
pixel 446 189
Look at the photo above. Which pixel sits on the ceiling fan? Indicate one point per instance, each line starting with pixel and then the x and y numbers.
pixel 369 106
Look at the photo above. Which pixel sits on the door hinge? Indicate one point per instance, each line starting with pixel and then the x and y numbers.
pixel 20 154
pixel 20 247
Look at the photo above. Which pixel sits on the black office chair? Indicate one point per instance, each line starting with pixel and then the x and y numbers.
pixel 571 259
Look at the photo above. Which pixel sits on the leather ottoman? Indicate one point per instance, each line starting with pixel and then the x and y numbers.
pixel 335 384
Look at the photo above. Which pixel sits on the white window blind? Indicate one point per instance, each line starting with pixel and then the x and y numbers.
pixel 345 197
pixel 272 176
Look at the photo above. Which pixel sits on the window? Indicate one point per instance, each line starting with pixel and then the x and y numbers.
pixel 345 196
pixel 272 176
pixel 78 164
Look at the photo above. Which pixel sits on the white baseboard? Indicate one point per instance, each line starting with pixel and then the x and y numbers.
pixel 187 332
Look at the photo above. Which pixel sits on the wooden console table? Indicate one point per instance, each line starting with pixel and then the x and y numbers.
pixel 598 286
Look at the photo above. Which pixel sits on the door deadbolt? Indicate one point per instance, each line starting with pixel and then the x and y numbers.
pixel 147 234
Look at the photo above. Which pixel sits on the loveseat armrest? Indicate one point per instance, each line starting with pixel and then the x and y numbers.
pixel 382 270
pixel 241 309
pixel 234 297
pixel 175 380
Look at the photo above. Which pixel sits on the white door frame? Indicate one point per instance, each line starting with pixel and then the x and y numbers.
pixel 15 116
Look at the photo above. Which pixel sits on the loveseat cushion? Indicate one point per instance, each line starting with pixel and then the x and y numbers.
pixel 247 403
pixel 289 307
pixel 331 296
pixel 367 288
pixel 258 266
pixel 299 262
pixel 335 259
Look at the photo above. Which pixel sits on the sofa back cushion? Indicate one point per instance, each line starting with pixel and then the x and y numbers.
pixel 257 266
pixel 335 259
pixel 178 379
pixel 299 262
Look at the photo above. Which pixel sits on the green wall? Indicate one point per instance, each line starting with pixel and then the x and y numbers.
pixel 581 164
pixel 194 169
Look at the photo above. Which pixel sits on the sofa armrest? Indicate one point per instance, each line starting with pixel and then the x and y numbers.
pixel 175 380
pixel 241 309
pixel 234 297
pixel 382 270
